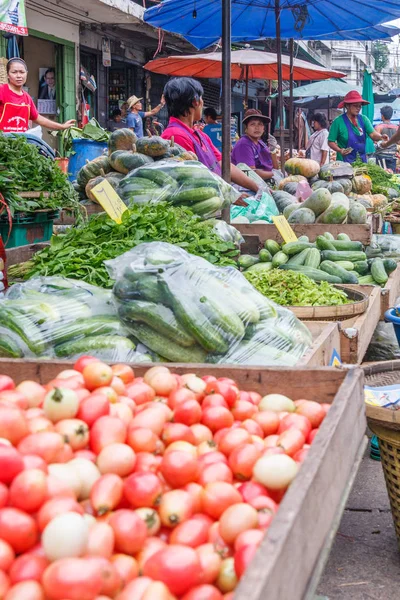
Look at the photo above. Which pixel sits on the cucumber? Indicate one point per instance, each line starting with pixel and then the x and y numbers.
pixel 343 237
pixel 264 255
pixel 89 345
pixel 334 269
pixel 246 260
pixel 366 280
pixel 193 195
pixel 324 244
pixel 261 266
pixel 329 236
pixel 346 264
pixel 296 247
pixel 345 245
pixel 207 207
pixel 315 274
pixel 98 325
pixel 25 328
pixel 201 182
pixel 300 259
pixel 342 255
pixel 390 265
pixel 9 347
pixel 361 267
pixel 157 176
pixel 303 238
pixel 280 258
pixel 224 318
pixel 378 271
pixel 166 347
pixel 272 247
pixel 313 258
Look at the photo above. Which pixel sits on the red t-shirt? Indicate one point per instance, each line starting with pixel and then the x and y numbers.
pixel 12 115
pixel 185 140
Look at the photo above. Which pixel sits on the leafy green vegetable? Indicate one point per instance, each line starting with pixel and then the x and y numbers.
pixel 290 288
pixel 80 253
pixel 92 131
pixel 381 179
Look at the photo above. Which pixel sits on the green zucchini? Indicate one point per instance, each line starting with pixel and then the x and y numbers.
pixel 313 258
pixel 25 328
pixel 299 259
pixel 246 260
pixel 345 264
pixel 90 344
pixel 166 347
pixel 347 246
pixel 261 266
pixel 315 274
pixel 324 244
pixel 390 265
pixel 264 255
pixel 343 237
pixel 272 247
pixel 361 267
pixel 342 255
pixel 378 271
pixel 280 258
pixel 296 247
pixel 329 236
pixel 9 348
pixel 366 280
pixel 334 269
pixel 98 325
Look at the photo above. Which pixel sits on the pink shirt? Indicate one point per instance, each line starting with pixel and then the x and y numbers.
pixel 185 140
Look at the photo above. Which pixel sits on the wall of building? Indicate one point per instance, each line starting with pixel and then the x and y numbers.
pixel 42 19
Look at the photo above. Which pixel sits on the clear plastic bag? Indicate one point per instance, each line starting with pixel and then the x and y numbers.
pixel 388 244
pixel 187 310
pixel 227 232
pixel 182 183
pixel 260 208
pixel 56 317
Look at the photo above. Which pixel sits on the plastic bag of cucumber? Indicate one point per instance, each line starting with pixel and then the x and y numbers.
pixel 327 259
pixel 187 310
pixel 55 317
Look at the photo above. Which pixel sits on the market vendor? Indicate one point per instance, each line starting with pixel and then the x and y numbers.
pixel 184 98
pixel 349 131
pixel 251 150
pixel 136 114
pixel 17 107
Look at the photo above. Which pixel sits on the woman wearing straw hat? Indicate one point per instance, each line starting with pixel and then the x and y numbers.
pixel 136 114
pixel 348 132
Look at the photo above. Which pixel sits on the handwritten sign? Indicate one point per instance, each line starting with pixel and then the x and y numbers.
pixel 284 229
pixel 109 200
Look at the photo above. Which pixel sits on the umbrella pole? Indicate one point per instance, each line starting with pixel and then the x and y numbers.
pixel 246 98
pixel 280 91
pixel 270 106
pixel 226 97
pixel 291 50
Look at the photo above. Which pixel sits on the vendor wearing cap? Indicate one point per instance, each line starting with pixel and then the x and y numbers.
pixel 136 114
pixel 348 133
pixel 251 150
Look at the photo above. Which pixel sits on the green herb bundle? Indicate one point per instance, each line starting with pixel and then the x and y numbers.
pixel 290 288
pixel 381 179
pixel 80 253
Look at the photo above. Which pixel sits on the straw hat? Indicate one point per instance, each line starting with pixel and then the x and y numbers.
pixel 132 101
pixel 352 97
pixel 253 113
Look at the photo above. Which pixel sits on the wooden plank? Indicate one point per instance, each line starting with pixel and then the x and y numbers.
pixel 356 334
pixel 302 525
pixel 390 292
pixel 21 254
pixel 361 233
pixel 326 340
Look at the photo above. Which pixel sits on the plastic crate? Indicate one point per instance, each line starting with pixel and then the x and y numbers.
pixel 27 228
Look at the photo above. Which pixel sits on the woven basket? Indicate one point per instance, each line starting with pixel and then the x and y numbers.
pixel 3 70
pixel 385 424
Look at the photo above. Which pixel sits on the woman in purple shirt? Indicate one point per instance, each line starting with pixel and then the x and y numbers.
pixel 251 150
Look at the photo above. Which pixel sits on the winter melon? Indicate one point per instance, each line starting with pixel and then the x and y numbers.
pixel 318 202
pixel 357 213
pixel 336 213
pixel 342 199
pixel 302 215
pixel 291 208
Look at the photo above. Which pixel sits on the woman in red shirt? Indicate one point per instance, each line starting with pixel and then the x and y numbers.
pixel 17 107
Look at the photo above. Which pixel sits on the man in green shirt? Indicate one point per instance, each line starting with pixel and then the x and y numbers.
pixel 348 132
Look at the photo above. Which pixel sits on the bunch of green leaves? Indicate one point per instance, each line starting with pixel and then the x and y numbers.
pixel 291 288
pixel 91 131
pixel 381 179
pixel 24 169
pixel 81 252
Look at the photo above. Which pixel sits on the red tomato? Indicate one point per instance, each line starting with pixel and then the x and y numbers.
pixel 18 529
pixel 203 592
pixel 146 462
pixel 112 581
pixel 201 433
pixel 153 418
pixel 243 410
pixel 33 392
pixel 242 460
pixel 31 461
pixel 232 439
pixel 13 424
pixel 268 421
pixel 101 540
pixel 180 395
pixel 228 390
pixel 163 383
pixel 28 590
pixel 11 463
pixel 291 441
pixel 129 530
pixel 243 558
pixel 251 489
pixel 217 497
pixel 235 519
pixel 124 372
pixel 106 493
pixel 117 458
pixel 143 489
pixel 4 584
pixel 178 567
pixel 211 457
pixel 177 432
pixel 311 436
pixel 264 503
pixel 192 532
pixel 40 424
pixel 117 385
pixel 214 400
pixel 143 440
pixel 97 374
pixel 106 431
pixel 75 431
pixel 6 383
pixel 300 455
pixel 218 543
pixel 271 441
pixel 296 421
pixel 28 491
pixel 14 398
pixel 217 417
pixel 57 506
pixel 188 412
pixel 28 566
pixel 46 444
pixel 218 471
pixel 314 412
pixel 253 428
pixel 210 560
pixel 86 454
pixel 195 491
pixel 92 408
pixel 7 555
pixel 143 588
pixel 250 537
pixel 3 496
pixel 64 454
pixel 179 468
pixel 151 546
pixel 72 578
pixel 175 506
pixel 140 392
pixel 58 487
pixel 227 579
pixel 83 361
pixel 126 566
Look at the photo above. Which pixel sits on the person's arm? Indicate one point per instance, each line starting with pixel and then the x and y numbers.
pixel 337 149
pixel 393 140
pixel 324 154
pixel 371 132
pixel 263 174
pixel 155 110
pixel 241 179
pixel 275 161
pixel 44 122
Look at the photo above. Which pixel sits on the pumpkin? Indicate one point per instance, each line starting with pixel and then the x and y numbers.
pixel 361 184
pixel 122 139
pixel 290 187
pixel 302 166
pixel 334 186
pixel 378 200
pixel 153 146
pixel 283 199
pixel 291 179
pixel 345 183
pixel 114 178
pixel 319 184
pixel 336 170
pixel 123 162
pixel 94 168
pixel 90 185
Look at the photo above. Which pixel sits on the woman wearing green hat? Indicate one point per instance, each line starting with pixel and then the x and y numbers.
pixel 136 114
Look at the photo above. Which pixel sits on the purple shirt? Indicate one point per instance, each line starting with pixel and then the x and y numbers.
pixel 253 155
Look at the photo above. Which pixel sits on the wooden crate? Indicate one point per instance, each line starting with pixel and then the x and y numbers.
pixel 359 233
pixel 326 342
pixel 21 254
pixel 307 520
pixel 390 292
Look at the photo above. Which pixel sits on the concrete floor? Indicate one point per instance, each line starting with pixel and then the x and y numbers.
pixel 364 563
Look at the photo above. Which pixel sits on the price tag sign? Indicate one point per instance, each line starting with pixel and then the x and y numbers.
pixel 109 200
pixel 284 229
pixel 335 360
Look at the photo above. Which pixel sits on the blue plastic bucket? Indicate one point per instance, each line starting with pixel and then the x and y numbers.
pixel 84 150
pixel 391 317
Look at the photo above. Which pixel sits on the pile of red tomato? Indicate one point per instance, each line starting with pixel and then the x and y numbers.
pixel 156 488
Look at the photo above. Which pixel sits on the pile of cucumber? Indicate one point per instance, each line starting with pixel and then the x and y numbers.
pixel 327 259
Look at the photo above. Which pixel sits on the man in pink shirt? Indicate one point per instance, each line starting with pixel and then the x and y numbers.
pixel 183 97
